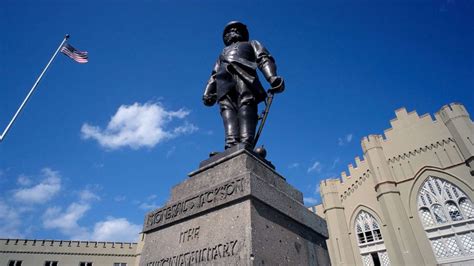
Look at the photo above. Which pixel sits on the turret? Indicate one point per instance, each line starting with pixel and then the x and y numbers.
pixel 373 151
pixel 339 246
pixel 459 124
pixel 330 194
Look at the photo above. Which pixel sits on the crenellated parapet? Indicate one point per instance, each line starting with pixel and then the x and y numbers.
pixel 414 141
pixel 68 247
pixel 67 243
pixel 347 184
pixel 356 178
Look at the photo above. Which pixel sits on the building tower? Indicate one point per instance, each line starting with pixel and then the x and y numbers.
pixel 339 245
pixel 457 120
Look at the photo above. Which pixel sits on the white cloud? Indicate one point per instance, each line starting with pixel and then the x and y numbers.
pixel 170 151
pixel 152 196
pixel 43 191
pixel 23 180
pixel 187 128
pixel 137 126
pixel 340 142
pixel 87 195
pixel 110 229
pixel 119 198
pixel 293 165
pixel 98 165
pixel 150 203
pixel 349 138
pixel 345 140
pixel 310 201
pixel 115 229
pixel 335 162
pixel 9 221
pixel 148 206
pixel 316 167
pixel 66 221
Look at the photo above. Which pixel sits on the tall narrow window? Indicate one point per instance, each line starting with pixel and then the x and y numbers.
pixel 447 215
pixel 371 245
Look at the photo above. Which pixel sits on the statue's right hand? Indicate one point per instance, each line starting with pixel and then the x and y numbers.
pixel 278 84
pixel 209 100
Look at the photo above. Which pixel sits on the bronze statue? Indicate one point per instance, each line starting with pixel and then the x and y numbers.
pixel 234 84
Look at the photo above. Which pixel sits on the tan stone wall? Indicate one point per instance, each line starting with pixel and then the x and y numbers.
pixel 67 253
pixel 385 183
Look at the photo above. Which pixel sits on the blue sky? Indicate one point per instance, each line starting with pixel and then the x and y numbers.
pixel 101 144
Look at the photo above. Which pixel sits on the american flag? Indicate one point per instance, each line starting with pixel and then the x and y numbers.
pixel 76 55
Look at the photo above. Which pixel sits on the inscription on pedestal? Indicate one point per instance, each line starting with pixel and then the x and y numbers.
pixel 195 204
pixel 196 256
pixel 189 235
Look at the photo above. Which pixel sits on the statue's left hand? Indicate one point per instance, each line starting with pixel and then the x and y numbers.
pixel 209 100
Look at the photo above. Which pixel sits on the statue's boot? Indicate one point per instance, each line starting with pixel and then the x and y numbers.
pixel 231 127
pixel 248 119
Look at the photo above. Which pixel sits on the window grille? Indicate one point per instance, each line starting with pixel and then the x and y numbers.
pixel 368 234
pixel 426 217
pixel 439 214
pixel 445 210
pixel 452 246
pixel 467 242
pixel 367 260
pixel 371 231
pixel 384 261
pixel 453 211
pixel 439 248
pixel 466 207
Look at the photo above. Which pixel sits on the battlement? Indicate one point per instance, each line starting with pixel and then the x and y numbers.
pixel 404 119
pixel 409 135
pixel 409 131
pixel 451 111
pixel 66 243
pixel 329 186
pixel 371 141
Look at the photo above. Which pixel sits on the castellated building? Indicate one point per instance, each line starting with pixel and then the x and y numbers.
pixel 408 201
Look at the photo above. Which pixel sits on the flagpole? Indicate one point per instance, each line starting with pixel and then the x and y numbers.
pixel 33 88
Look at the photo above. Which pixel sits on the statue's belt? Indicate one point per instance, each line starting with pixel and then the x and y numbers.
pixel 238 65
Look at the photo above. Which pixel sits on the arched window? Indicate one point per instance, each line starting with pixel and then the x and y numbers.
pixel 447 215
pixel 369 237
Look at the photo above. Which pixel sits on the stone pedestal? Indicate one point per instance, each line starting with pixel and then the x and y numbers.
pixel 234 210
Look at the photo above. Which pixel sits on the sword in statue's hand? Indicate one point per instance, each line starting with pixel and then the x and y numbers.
pixel 278 85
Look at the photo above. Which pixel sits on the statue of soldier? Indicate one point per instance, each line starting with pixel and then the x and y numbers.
pixel 234 84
